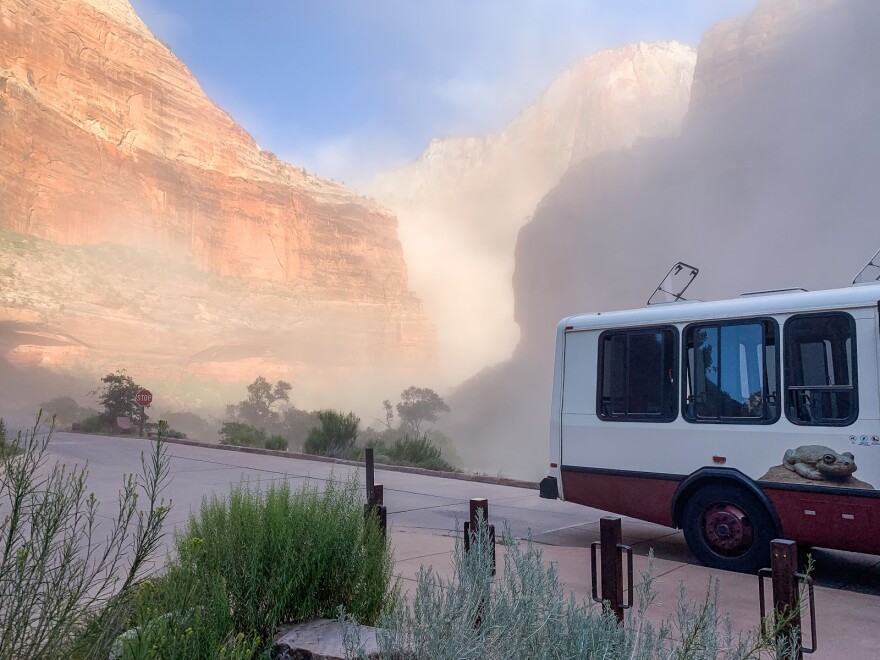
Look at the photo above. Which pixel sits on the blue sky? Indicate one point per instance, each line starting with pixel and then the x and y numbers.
pixel 347 88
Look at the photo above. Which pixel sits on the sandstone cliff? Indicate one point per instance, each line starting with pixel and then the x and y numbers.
pixel 772 183
pixel 105 137
pixel 463 201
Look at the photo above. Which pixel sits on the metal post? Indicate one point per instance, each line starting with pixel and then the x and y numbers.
pixel 371 474
pixel 786 581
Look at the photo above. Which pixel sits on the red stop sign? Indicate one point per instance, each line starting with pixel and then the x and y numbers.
pixel 144 398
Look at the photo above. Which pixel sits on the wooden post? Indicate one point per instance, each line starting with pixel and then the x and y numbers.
pixel 371 474
pixel 786 600
pixel 611 536
pixel 378 494
pixel 476 504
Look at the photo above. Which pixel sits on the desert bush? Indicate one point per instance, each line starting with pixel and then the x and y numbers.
pixel 295 425
pixel 525 613
pixel 241 435
pixel 65 410
pixel 285 557
pixel 414 452
pixel 66 578
pixel 93 424
pixel 7 448
pixel 335 437
pixel 191 424
pixel 276 442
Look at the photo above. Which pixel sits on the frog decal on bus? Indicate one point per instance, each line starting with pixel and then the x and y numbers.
pixel 820 463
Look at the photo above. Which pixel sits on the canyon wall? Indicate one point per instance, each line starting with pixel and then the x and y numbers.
pixel 463 201
pixel 771 184
pixel 107 139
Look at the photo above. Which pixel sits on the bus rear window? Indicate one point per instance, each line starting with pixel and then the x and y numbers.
pixel 637 375
pixel 731 372
pixel 820 369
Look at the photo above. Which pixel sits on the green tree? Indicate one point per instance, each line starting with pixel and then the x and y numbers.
pixel 117 397
pixel 336 435
pixel 257 409
pixel 418 405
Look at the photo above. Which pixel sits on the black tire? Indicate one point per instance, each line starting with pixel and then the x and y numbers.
pixel 753 528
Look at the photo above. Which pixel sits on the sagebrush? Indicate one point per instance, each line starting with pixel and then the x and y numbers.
pixel 68 574
pixel 524 612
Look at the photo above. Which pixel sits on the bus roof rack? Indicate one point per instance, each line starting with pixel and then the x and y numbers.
pixel 870 272
pixel 773 292
pixel 673 286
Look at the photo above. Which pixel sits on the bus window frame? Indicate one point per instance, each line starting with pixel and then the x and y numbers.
pixel 854 416
pixel 676 353
pixel 718 323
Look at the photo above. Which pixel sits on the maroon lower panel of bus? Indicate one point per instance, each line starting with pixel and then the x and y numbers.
pixel 828 519
pixel 646 498
pixel 819 516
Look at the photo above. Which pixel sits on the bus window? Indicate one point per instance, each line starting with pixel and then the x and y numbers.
pixel 820 369
pixel 637 375
pixel 730 372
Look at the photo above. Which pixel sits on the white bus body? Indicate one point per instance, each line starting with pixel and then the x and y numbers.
pixel 739 420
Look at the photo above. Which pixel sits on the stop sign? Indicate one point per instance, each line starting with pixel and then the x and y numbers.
pixel 144 398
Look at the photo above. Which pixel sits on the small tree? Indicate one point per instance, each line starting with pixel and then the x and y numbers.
pixel 257 410
pixel 336 435
pixel 65 410
pixel 417 406
pixel 117 397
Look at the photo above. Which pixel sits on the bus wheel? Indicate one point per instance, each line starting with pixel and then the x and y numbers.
pixel 728 528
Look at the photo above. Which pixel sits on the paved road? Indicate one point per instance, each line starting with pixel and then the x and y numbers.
pixel 414 502
pixel 426 512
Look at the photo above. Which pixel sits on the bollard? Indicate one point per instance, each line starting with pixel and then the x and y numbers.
pixel 471 529
pixel 470 526
pixel 375 493
pixel 380 508
pixel 610 547
pixel 786 583
pixel 371 473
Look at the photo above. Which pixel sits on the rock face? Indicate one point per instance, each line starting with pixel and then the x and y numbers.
pixel 463 201
pixel 105 137
pixel 772 183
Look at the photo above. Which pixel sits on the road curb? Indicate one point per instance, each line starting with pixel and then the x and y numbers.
pixel 480 478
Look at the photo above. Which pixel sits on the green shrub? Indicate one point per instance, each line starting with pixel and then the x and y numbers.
pixel 414 452
pixel 7 448
pixel 526 613
pixel 285 557
pixel 65 586
pixel 276 442
pixel 242 435
pixel 335 437
pixel 184 615
pixel 92 424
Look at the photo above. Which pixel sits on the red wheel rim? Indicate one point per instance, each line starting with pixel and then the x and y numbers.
pixel 727 529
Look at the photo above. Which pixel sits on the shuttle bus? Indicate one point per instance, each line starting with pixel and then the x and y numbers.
pixel 738 421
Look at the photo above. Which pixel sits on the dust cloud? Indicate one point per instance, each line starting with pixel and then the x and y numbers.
pixel 771 184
